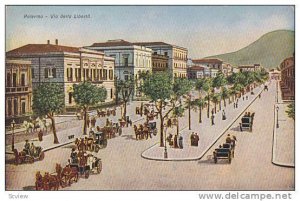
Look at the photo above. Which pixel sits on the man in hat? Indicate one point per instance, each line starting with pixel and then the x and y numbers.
pixel 26 147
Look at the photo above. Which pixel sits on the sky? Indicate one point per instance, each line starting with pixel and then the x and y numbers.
pixel 203 30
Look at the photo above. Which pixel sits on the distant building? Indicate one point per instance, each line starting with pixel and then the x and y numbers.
pixel 254 67
pixel 211 63
pixel 160 63
pixel 195 72
pixel 130 59
pixel 18 90
pixel 177 56
pixel 287 83
pixel 274 74
pixel 67 66
pixel 227 69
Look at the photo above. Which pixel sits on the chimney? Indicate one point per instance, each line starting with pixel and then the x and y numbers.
pixel 56 41
pixel 48 42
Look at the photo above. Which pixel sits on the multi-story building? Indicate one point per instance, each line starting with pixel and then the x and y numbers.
pixel 159 63
pixel 227 69
pixel 254 67
pixel 67 66
pixel 195 72
pixel 177 63
pixel 287 83
pixel 130 59
pixel 275 74
pixel 18 90
pixel 210 63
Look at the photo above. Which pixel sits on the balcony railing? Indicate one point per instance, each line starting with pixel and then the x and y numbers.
pixel 17 89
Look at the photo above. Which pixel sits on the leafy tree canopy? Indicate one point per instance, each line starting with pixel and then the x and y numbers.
pixel 48 98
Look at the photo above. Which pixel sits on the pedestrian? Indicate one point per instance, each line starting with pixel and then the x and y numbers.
pixel 236 105
pixel 93 122
pixel 213 119
pixel 175 141
pixel 212 111
pixel 40 135
pixel 180 143
pixel 246 97
pixel 259 95
pixel 243 98
pixel 233 104
pixel 223 115
pixel 88 121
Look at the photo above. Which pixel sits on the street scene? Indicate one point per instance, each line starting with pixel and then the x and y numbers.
pixel 140 114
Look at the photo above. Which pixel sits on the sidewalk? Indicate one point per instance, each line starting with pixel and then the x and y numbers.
pixel 208 134
pixel 75 127
pixel 283 138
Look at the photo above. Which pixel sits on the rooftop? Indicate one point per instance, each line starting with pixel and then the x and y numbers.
pixel 113 43
pixel 207 61
pixel 42 48
pixel 157 44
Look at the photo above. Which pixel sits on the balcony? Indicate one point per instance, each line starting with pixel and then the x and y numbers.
pixel 21 89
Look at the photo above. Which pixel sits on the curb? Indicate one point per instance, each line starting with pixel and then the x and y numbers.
pixel 274 142
pixel 213 143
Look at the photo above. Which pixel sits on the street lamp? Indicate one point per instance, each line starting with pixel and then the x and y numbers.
pixel 13 135
pixel 166 152
pixel 277 124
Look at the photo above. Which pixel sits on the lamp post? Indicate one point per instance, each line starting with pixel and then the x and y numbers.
pixel 165 152
pixel 13 135
pixel 277 123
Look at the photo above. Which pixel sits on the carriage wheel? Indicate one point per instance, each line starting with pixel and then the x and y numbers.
pixel 97 148
pixel 42 156
pixel 86 174
pixel 99 167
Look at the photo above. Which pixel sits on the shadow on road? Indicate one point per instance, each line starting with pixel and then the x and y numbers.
pixel 29 188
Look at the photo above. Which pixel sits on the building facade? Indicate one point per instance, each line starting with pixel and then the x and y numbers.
pixel 177 63
pixel 210 63
pixel 67 66
pixel 18 90
pixel 287 83
pixel 195 72
pixel 160 63
pixel 130 59
pixel 254 67
pixel 274 74
pixel 227 69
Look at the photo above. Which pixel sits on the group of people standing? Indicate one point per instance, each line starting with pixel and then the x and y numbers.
pixel 175 141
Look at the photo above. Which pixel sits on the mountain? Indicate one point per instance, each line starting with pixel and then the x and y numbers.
pixel 269 50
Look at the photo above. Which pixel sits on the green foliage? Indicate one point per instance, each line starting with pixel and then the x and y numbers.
pixel 291 111
pixel 182 86
pixel 178 111
pixel 224 93
pixel 199 102
pixel 125 88
pixel 216 97
pixel 48 98
pixel 199 84
pixel 207 85
pixel 219 81
pixel 158 86
pixel 86 94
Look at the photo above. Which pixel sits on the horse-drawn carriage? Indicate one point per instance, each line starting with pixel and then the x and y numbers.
pixel 145 131
pixel 225 151
pixel 26 156
pixel 95 142
pixel 108 112
pixel 247 121
pixel 88 165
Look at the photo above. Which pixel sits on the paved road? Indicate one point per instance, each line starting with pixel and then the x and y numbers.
pixel 124 169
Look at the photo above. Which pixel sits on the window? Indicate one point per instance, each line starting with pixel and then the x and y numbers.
pixel 126 77
pixel 125 60
pixel 9 107
pixel 70 74
pixel 14 79
pixel 50 72
pixel 23 107
pixel 23 79
pixel 111 93
pixel 166 53
pixel 70 97
pixel 8 80
pixel 15 106
pixel 105 74
pixel 111 76
pixel 32 73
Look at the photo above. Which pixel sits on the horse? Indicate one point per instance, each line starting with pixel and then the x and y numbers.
pixel 50 182
pixel 39 185
pixel 66 174
pixel 28 126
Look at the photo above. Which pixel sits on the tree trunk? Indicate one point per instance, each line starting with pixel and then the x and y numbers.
pixel 84 121
pixel 189 116
pixel 224 102
pixel 220 104
pixel 125 110
pixel 54 130
pixel 200 114
pixel 161 128
pixel 208 103
pixel 215 107
pixel 177 128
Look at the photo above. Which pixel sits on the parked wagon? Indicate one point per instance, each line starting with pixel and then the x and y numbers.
pixel 222 153
pixel 26 157
pixel 247 122
pixel 152 128
pixel 85 169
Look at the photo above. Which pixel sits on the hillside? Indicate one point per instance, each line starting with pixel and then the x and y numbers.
pixel 269 50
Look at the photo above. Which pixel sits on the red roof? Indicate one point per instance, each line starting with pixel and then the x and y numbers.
pixel 195 68
pixel 207 61
pixel 112 43
pixel 41 48
pixel 151 43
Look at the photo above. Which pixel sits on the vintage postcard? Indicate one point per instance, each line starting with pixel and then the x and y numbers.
pixel 152 98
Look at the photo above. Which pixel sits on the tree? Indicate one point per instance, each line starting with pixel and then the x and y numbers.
pixel 199 103
pixel 224 95
pixel 215 99
pixel 291 111
pixel 48 99
pixel 166 93
pixel 207 87
pixel 219 80
pixel 85 95
pixel 125 89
